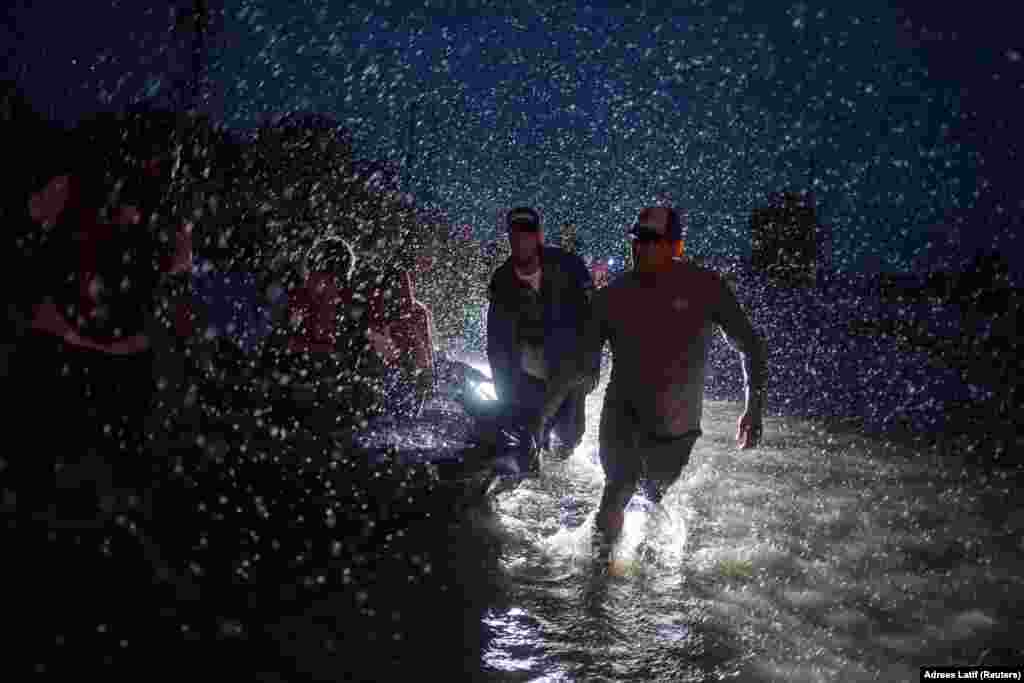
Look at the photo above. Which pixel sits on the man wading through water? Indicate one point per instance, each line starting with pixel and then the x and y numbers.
pixel 659 321
pixel 538 303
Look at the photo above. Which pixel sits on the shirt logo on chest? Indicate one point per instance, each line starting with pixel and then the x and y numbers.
pixel 680 304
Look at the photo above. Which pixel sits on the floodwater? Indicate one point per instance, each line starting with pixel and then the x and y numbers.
pixel 817 557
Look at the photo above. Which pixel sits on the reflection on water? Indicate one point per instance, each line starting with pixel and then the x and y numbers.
pixel 816 557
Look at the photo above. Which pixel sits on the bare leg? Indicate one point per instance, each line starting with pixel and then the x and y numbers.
pixel 663 465
pixel 622 474
pixel 611 514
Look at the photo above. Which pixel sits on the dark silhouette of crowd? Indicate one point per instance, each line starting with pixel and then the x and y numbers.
pixel 169 500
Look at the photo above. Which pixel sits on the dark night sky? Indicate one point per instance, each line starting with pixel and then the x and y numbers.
pixel 897 112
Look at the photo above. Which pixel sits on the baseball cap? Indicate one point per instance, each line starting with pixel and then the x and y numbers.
pixel 525 217
pixel 661 221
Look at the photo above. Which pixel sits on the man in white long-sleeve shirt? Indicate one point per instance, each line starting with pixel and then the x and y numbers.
pixel 659 319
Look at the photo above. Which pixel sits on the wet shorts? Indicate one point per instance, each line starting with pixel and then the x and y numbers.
pixel 631 456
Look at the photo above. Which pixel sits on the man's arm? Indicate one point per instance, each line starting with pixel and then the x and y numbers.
pixel 499 339
pixel 741 336
pixel 576 370
pixel 592 349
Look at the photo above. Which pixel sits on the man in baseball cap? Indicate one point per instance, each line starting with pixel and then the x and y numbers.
pixel 658 235
pixel 525 217
pixel 658 221
pixel 659 319
pixel 538 302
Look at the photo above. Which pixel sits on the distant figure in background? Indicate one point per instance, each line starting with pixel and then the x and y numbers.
pixel 599 271
pixel 659 319
pixel 538 302
pixel 313 305
pixel 398 329
pixel 360 331
pixel 409 349
pixel 316 347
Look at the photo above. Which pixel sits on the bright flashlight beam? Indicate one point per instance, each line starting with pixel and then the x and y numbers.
pixel 482 368
pixel 486 391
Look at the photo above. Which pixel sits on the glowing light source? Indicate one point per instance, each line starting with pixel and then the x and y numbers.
pixel 486 391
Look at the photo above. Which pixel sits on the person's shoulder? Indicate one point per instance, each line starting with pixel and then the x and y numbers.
pixel 692 270
pixel 503 269
pixel 714 285
pixel 502 272
pixel 500 277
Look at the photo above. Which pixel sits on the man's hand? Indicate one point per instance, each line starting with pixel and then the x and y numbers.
pixel 749 429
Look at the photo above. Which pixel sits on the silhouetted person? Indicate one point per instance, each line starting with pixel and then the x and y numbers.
pixel 83 379
pixel 538 301
pixel 659 320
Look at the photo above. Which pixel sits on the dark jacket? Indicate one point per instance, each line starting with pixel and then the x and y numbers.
pixel 516 313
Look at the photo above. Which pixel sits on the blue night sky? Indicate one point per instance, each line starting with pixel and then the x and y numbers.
pixel 901 117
